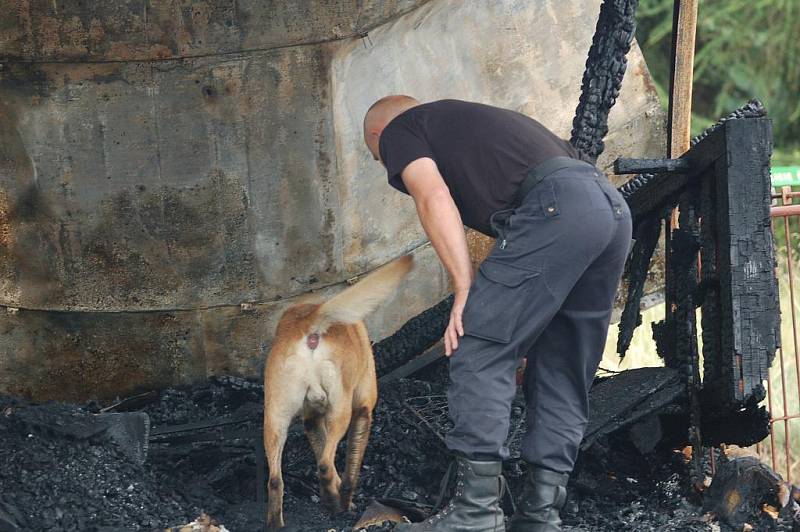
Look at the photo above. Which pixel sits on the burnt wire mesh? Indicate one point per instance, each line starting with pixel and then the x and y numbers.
pixel 431 412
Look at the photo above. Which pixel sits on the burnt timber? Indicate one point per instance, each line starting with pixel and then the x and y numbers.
pixel 724 200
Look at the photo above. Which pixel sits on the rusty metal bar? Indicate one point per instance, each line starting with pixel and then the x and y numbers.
pixel 773 454
pixel 791 299
pixel 785 210
pixel 786 432
pixel 784 418
pixel 785 411
pixel 787 198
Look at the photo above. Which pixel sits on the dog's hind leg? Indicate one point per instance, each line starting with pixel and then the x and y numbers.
pixel 280 406
pixel 336 422
pixel 274 440
pixel 357 438
pixel 317 434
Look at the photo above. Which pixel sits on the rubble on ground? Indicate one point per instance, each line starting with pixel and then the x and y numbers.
pixel 55 477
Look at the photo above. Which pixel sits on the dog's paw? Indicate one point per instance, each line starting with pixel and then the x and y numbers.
pixel 332 502
pixel 346 502
pixel 274 522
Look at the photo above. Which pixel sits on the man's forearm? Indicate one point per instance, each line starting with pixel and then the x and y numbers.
pixel 442 224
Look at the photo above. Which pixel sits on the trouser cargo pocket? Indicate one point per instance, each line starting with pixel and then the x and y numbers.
pixel 496 299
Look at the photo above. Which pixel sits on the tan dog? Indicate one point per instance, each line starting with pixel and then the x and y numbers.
pixel 321 365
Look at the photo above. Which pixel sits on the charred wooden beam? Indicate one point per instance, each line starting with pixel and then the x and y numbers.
pixel 646 193
pixel 414 337
pixel 653 193
pixel 646 234
pixel 743 302
pixel 643 166
pixel 629 397
pixel 684 319
pixel 419 363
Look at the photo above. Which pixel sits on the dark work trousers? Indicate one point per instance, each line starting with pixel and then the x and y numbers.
pixel 546 292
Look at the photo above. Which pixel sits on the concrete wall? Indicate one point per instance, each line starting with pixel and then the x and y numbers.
pixel 174 174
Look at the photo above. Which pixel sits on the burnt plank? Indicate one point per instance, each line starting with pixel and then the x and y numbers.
pixel 646 235
pixel 654 166
pixel 747 300
pixel 648 192
pixel 627 397
pixel 415 364
pixel 716 374
pixel 659 191
pixel 662 189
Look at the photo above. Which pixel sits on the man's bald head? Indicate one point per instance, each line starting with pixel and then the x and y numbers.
pixel 380 114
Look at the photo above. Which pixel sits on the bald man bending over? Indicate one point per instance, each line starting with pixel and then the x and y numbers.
pixel 545 291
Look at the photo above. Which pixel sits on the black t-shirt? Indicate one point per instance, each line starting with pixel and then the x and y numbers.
pixel 482 152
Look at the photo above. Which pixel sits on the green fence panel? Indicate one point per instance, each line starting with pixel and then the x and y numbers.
pixel 785 175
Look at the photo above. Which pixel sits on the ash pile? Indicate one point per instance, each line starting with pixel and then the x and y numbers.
pixel 158 460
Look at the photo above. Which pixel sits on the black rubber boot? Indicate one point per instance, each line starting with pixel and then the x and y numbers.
pixel 543 496
pixel 475 505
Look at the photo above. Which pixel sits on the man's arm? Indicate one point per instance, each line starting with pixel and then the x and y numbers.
pixel 442 223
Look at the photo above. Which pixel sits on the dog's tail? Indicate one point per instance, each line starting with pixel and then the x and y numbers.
pixel 355 302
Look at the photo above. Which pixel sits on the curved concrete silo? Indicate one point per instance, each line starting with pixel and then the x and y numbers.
pixel 173 174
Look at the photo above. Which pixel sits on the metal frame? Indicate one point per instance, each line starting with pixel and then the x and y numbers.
pixel 781 458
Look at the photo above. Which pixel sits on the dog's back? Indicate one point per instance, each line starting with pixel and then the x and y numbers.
pixel 324 347
pixel 315 369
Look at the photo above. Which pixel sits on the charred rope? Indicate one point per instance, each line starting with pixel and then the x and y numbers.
pixel 602 79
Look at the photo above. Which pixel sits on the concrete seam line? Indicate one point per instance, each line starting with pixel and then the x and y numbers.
pixel 244 305
pixel 358 33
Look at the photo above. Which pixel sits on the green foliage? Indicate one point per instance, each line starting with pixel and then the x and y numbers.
pixel 745 48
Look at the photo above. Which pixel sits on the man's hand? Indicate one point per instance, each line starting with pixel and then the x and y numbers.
pixel 442 224
pixel 455 329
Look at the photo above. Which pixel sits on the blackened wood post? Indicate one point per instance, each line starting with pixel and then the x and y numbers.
pixel 679 118
pixel 686 245
pixel 743 303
